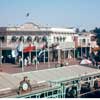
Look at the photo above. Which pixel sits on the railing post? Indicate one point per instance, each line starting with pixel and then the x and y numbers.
pixel 63 90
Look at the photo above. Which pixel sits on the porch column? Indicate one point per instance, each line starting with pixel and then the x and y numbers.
pixel 59 55
pixel 0 53
pixel 74 53
pixel 36 57
pixel 64 55
pixel 22 56
pixel 81 49
pixel 48 54
pixel 44 56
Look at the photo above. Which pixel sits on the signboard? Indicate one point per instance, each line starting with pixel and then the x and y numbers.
pixel 66 45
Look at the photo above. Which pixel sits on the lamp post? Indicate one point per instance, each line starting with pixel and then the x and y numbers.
pixel 44 55
pixel 22 56
pixel 74 50
pixel 59 53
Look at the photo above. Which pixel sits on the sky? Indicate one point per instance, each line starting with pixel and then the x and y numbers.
pixel 54 13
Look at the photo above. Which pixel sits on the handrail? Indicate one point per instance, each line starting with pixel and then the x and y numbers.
pixel 88 92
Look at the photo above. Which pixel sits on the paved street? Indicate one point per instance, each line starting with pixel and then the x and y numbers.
pixel 11 68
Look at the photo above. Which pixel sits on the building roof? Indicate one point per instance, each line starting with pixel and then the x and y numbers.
pixel 63 73
pixel 7 82
pixel 11 81
pixel 32 27
pixel 68 30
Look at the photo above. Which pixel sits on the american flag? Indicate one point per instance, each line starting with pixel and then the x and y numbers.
pixel 27 14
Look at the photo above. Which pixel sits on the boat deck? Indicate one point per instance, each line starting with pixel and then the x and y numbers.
pixel 10 82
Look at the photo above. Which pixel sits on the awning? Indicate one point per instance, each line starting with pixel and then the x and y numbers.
pixel 29 49
pixel 96 49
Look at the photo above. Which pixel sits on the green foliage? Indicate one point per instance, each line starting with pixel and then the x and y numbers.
pixel 98 41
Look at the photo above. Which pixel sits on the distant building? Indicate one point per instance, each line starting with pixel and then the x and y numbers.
pixel 62 36
pixel 84 42
pixel 86 39
pixel 55 35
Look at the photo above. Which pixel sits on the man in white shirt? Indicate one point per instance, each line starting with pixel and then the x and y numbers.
pixel 13 56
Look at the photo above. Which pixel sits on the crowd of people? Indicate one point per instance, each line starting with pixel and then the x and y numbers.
pixel 25 61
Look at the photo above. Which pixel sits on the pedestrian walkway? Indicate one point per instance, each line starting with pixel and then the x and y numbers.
pixel 11 68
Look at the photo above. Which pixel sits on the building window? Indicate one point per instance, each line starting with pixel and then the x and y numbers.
pixel 2 38
pixel 60 39
pixel 64 39
pixel 57 39
pixel 83 41
pixel 93 38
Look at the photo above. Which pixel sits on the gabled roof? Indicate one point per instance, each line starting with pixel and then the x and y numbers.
pixel 30 25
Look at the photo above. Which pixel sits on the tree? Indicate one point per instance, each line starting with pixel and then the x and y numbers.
pixel 96 30
pixel 77 30
pixel 84 30
pixel 98 39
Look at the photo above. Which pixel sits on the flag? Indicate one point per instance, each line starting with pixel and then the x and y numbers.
pixel 27 14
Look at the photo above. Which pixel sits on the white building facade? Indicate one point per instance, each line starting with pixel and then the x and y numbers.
pixel 54 35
